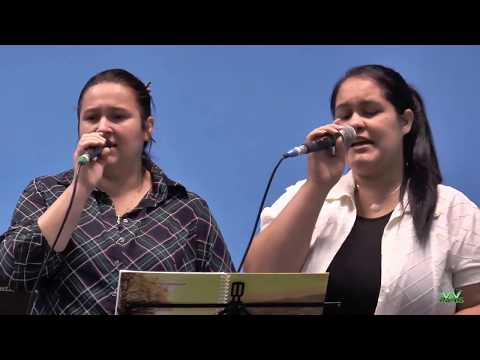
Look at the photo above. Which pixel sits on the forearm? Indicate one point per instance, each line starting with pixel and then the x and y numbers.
pixel 284 244
pixel 50 221
pixel 473 310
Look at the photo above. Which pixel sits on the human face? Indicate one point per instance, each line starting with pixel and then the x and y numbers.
pixel 112 110
pixel 361 104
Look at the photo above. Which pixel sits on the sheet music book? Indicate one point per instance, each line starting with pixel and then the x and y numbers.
pixel 139 288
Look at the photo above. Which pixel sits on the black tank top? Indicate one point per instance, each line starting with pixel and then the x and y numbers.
pixel 355 271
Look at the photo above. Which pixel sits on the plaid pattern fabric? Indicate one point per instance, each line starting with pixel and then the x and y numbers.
pixel 171 229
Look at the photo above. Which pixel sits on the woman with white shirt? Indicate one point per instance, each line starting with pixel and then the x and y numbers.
pixel 393 239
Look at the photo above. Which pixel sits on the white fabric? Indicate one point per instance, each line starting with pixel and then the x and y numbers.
pixel 413 279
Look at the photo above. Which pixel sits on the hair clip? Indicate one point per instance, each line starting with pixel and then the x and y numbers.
pixel 148 87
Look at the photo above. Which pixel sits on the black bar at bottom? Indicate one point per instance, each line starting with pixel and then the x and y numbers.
pixel 311 304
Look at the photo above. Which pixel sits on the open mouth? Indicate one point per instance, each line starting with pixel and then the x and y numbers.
pixel 110 144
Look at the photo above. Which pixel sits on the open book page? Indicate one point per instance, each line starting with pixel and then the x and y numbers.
pixel 139 291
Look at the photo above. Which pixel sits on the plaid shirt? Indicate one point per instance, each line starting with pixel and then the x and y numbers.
pixel 171 229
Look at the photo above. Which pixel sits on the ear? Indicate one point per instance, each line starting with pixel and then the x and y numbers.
pixel 406 121
pixel 147 135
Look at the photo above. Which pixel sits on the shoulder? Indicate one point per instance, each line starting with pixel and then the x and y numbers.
pixel 456 213
pixel 49 182
pixel 178 195
pixel 454 203
pixel 344 187
pixel 198 204
pixel 270 212
pixel 182 198
pixel 289 193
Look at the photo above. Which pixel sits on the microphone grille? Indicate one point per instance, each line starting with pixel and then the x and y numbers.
pixel 349 134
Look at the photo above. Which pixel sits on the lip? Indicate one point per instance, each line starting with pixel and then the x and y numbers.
pixel 361 139
pixel 361 147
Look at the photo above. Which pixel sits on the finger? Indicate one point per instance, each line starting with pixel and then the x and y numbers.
pixel 103 156
pixel 340 148
pixel 85 144
pixel 321 131
pixel 92 136
pixel 90 141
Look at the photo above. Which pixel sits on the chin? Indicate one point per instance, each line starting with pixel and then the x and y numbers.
pixel 361 159
pixel 112 161
pixel 362 163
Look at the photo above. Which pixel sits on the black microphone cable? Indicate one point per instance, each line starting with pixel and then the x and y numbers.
pixel 44 263
pixel 260 210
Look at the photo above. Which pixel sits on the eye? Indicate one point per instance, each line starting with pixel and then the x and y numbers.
pixel 89 118
pixel 118 116
pixel 370 109
pixel 343 115
pixel 371 113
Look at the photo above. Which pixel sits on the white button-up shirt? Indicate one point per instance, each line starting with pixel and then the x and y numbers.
pixel 413 278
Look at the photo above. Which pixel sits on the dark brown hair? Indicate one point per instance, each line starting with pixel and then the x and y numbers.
pixel 422 171
pixel 142 94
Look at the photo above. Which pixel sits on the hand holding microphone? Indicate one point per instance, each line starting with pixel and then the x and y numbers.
pixel 325 167
pixel 327 141
pixel 93 153
pixel 90 154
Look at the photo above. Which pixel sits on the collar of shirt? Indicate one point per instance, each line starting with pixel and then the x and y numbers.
pixel 345 187
pixel 163 188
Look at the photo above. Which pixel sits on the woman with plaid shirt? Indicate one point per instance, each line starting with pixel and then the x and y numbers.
pixel 127 214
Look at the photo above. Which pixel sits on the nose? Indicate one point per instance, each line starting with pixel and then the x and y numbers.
pixel 104 125
pixel 355 121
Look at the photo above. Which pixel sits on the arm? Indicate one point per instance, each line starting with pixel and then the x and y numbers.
pixel 50 221
pixel 212 247
pixel 23 247
pixel 471 300
pixel 35 224
pixel 89 176
pixel 283 245
pixel 465 255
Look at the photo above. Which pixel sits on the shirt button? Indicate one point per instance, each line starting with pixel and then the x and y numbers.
pixel 125 221
pixel 113 294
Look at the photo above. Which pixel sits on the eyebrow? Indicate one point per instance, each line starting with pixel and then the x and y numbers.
pixel 110 108
pixel 362 103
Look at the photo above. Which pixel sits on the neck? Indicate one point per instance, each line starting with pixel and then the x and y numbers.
pixel 378 194
pixel 380 184
pixel 117 182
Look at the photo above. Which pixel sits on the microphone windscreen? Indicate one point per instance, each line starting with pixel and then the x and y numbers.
pixel 349 134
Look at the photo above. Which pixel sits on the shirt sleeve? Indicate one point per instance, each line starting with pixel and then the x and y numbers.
pixel 465 250
pixel 212 249
pixel 270 213
pixel 23 247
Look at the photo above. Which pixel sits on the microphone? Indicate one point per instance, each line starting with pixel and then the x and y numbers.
pixel 92 153
pixel 325 142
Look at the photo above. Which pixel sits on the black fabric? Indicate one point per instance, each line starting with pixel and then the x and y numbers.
pixel 355 271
